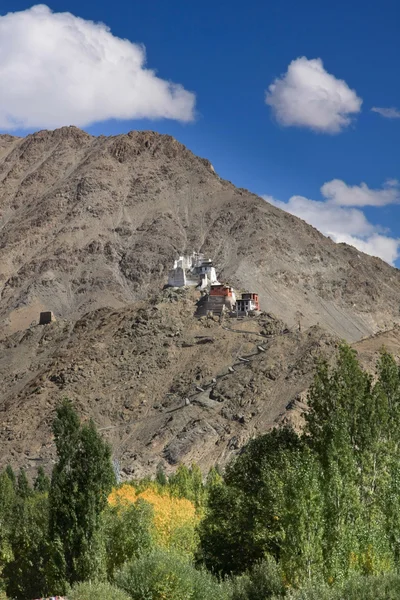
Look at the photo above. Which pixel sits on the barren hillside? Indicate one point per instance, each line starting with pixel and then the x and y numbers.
pixel 139 371
pixel 89 228
pixel 90 222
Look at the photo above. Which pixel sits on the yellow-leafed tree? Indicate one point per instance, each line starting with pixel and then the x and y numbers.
pixel 175 519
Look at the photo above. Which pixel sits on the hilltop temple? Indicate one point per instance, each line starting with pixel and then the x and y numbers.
pixel 197 271
pixel 193 270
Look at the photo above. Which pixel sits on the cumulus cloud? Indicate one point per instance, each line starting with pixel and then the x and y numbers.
pixel 57 69
pixel 388 113
pixel 308 96
pixel 338 192
pixel 337 217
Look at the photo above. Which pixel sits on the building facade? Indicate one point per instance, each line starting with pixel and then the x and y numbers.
pixel 247 303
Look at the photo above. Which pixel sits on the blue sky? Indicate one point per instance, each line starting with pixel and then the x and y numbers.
pixel 228 53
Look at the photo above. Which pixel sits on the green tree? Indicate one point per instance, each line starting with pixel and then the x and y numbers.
pixel 188 483
pixel 245 516
pixel 181 482
pixel 26 573
pixel 80 484
pixel 349 426
pixel 7 505
pixel 324 504
pixel 161 477
pixel 42 482
pixel 96 590
pixel 11 475
pixel 214 478
pixel 128 533
pixel 23 488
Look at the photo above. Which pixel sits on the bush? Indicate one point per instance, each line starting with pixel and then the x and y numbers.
pixel 96 591
pixel 263 581
pixel 166 575
pixel 383 587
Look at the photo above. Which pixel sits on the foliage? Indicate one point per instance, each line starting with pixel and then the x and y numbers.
pixel 80 484
pixel 161 477
pixel 23 488
pixel 300 517
pixel 26 572
pixel 188 483
pixel 175 519
pixel 10 473
pixel 214 478
pixel 167 575
pixel 42 482
pixel 325 504
pixel 127 532
pixel 263 581
pixel 7 503
pixel 383 587
pixel 246 518
pixel 96 591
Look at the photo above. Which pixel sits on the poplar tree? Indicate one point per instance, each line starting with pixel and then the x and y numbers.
pixel 42 482
pixel 23 488
pixel 80 483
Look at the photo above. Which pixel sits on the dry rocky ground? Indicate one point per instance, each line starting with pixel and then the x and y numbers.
pixel 134 370
pixel 89 228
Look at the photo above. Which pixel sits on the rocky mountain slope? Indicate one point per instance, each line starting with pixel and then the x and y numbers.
pixel 89 228
pixel 89 222
pixel 162 385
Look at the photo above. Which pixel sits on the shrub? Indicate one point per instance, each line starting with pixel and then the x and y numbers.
pixel 383 587
pixel 166 575
pixel 96 591
pixel 263 581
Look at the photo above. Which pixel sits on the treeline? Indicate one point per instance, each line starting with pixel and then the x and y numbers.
pixel 79 526
pixel 305 516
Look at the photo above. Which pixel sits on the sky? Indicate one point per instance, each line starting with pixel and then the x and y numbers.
pixel 297 101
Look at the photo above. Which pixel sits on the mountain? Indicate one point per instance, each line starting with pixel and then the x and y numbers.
pixel 87 222
pixel 89 228
pixel 161 385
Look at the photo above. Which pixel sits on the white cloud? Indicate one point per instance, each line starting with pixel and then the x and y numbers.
pixel 388 113
pixel 308 96
pixel 337 218
pixel 57 69
pixel 338 192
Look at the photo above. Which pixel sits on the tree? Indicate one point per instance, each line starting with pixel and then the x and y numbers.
pixel 245 516
pixel 165 574
pixel 351 426
pixel 161 477
pixel 323 504
pixel 42 482
pixel 26 573
pixel 23 487
pixel 80 483
pixel 128 531
pixel 188 483
pixel 11 475
pixel 7 504
pixel 214 478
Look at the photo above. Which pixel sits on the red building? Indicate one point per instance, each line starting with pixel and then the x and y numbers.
pixel 219 289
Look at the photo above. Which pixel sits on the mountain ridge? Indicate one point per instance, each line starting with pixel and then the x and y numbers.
pixel 95 221
pixel 89 228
